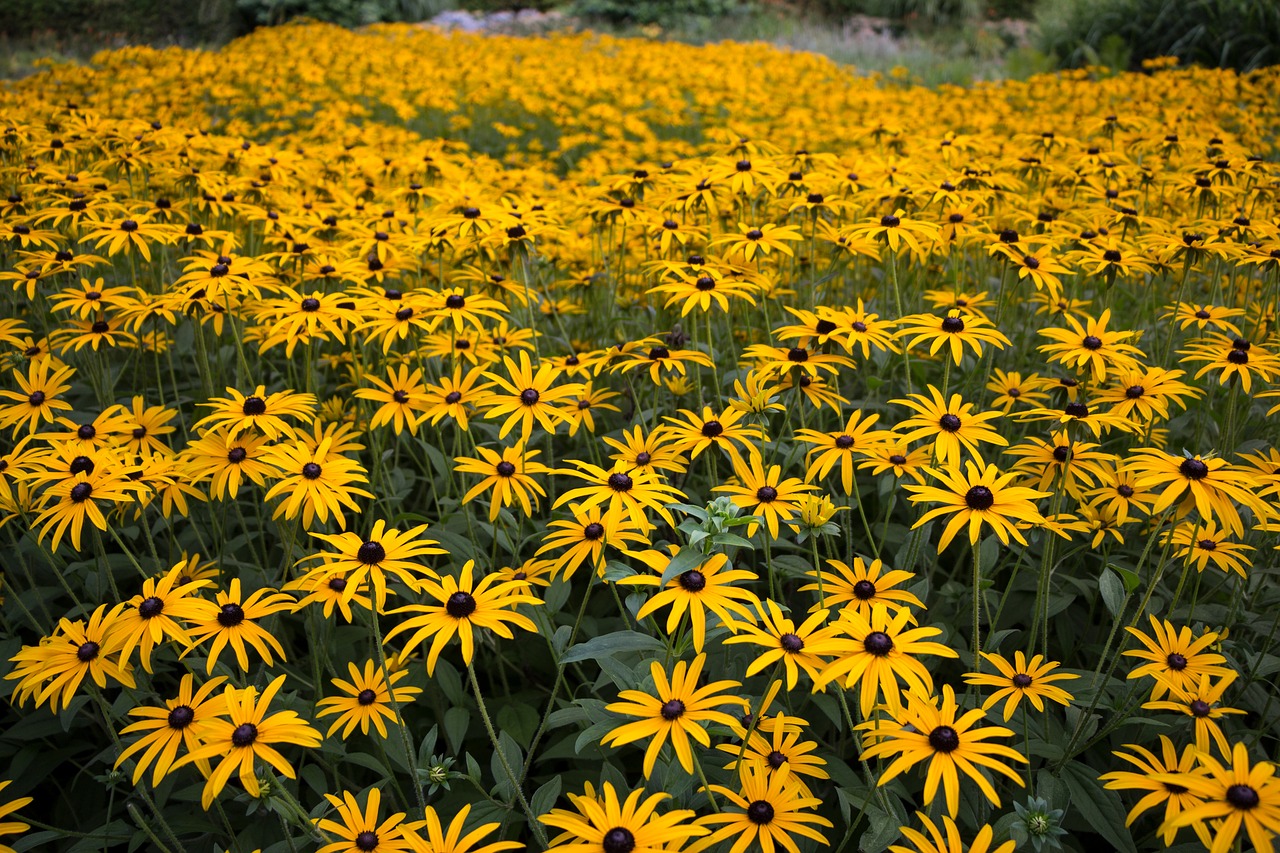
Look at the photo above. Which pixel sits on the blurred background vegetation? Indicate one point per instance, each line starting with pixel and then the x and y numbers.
pixel 937 40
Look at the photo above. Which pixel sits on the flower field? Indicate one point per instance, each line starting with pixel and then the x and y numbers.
pixel 423 442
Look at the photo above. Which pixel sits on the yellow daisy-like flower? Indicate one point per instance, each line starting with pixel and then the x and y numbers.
pixel 246 735
pixel 1177 798
pixel 877 650
pixel 675 710
pixel 1176 659
pixel 784 641
pixel 367 699
pixel 765 493
pixel 950 742
pixel 460 606
pixel 385 553
pixel 234 621
pixel 768 809
pixel 981 496
pixel 363 831
pixel 180 723
pixel 861 587
pixel 1030 679
pixel 602 823
pixel 707 586
pixel 259 410
pixel 315 483
pixel 1243 795
pixel 936 842
pixel 437 839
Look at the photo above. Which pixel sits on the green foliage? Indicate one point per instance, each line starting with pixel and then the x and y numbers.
pixel 347 13
pixel 148 20
pixel 1240 34
pixel 916 14
pixel 664 13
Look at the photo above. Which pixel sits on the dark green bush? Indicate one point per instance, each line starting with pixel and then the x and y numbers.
pixel 914 14
pixel 621 13
pixel 347 13
pixel 1240 34
pixel 137 20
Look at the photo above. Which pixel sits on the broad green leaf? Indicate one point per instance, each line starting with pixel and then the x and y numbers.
pixel 611 644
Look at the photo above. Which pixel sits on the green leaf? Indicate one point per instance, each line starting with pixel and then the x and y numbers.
pixel 607 645
pixel 456 722
pixel 882 831
pixel 1113 592
pixel 687 559
pixel 1101 809
pixel 510 750
pixel 545 797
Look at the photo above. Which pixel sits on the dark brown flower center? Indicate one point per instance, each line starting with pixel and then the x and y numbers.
pixel 618 840
pixel 952 325
pixel 766 494
pixel 1200 708
pixel 693 581
pixel 181 717
pixel 1194 469
pixel 620 482
pixel 1243 797
pixel 80 492
pixel 150 608
pixel 1176 661
pixel 504 468
pixel 672 710
pixel 979 498
pixel 254 406
pixel 529 396
pixel 878 643
pixel 311 471
pixel 711 429
pixel 310 305
pixel 593 531
pixel 371 553
pixel 452 397
pixel 949 422
pixel 760 812
pixel 864 590
pixel 460 605
pixel 236 455
pixel 791 643
pixel 366 697
pixel 230 615
pixel 944 739
pixel 1021 680
pixel 87 651
pixel 244 735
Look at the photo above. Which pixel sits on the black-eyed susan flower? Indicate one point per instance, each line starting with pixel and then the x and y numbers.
pixel 1021 679
pixel 844 446
pixel 364 830
pixel 978 497
pixel 765 493
pixel 234 621
pixel 783 745
pixel 955 330
pixel 675 710
pixel 153 615
pixel 43 385
pixel 384 554
pixel 401 399
pixel 1091 346
pixel 648 454
pixel 525 396
pixel 54 669
pixel 584 538
pixel 622 494
pixel 947 839
pixel 180 724
pixel 949 741
pixel 710 585
pixel 768 808
pixel 509 474
pixel 365 699
pixel 784 642
pixel 951 425
pixel 1210 485
pixel 259 410
pixel 315 483
pixel 861 587
pixel 438 838
pixel 697 432
pixel 455 396
pixel 1242 796
pixel 604 822
pixel 1176 797
pixel 247 734
pixel 458 607
pixel 227 461
pixel 1201 543
pixel 1175 657
pixel 876 652
pixel 1203 706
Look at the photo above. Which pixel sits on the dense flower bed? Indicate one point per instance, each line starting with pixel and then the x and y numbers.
pixel 450 443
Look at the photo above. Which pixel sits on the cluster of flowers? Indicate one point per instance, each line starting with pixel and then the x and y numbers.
pixel 1072 304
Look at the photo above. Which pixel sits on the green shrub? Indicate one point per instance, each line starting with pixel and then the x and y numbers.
pixel 347 13
pixel 621 13
pixel 1240 34
pixel 138 20
pixel 915 14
